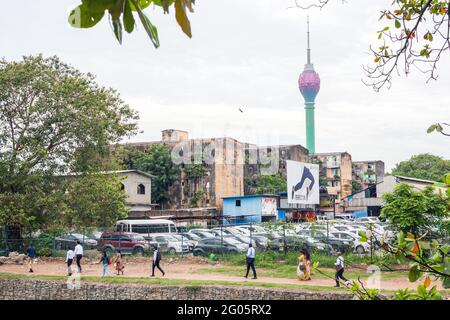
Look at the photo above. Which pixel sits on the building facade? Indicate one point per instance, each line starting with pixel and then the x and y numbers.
pixel 269 160
pixel 211 168
pixel 367 173
pixel 138 188
pixel 336 175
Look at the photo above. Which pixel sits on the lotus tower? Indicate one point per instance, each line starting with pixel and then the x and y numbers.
pixel 309 85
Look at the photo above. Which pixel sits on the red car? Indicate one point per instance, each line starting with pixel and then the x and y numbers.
pixel 126 242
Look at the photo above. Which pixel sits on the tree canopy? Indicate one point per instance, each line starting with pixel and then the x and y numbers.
pixel 157 161
pixel 271 184
pixel 423 166
pixel 414 211
pixel 54 120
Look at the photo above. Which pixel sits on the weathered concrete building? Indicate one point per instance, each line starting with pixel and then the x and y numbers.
pixel 336 169
pixel 138 188
pixel 269 160
pixel 368 172
pixel 211 168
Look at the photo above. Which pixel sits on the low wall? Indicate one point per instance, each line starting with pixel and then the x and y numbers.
pixel 58 290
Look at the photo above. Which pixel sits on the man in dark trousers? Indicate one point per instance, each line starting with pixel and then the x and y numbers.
pixel 31 253
pixel 251 260
pixel 156 261
pixel 340 270
pixel 78 254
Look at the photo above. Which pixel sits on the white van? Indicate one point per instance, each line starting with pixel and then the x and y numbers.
pixel 147 227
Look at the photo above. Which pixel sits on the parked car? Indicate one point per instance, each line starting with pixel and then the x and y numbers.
pixel 191 236
pixel 214 245
pixel 256 229
pixel 70 241
pixel 358 247
pixel 202 233
pixel 126 242
pixel 336 243
pixel 184 240
pixel 368 219
pixel 169 243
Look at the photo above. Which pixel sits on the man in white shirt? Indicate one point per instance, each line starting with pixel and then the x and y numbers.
pixel 79 254
pixel 340 270
pixel 69 259
pixel 251 260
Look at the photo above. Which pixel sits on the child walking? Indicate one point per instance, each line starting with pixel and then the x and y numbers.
pixel 118 264
pixel 106 262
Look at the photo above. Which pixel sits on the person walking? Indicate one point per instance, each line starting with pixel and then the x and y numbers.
pixel 156 261
pixel 251 260
pixel 105 261
pixel 118 264
pixel 303 268
pixel 79 254
pixel 31 253
pixel 69 260
pixel 340 270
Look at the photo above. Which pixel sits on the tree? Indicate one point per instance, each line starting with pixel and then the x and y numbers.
pixel 53 120
pixel 121 15
pixel 356 186
pixel 271 184
pixel 423 166
pixel 157 161
pixel 416 34
pixel 93 200
pixel 413 211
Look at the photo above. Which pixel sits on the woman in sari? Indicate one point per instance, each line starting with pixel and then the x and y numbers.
pixel 304 266
pixel 118 264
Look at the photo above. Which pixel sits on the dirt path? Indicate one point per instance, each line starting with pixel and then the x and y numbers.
pixel 186 270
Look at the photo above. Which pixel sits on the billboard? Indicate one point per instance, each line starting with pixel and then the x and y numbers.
pixel 302 182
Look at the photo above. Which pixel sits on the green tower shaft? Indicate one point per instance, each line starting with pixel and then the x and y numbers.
pixel 310 130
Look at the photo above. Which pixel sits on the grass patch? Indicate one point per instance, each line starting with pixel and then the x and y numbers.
pixel 269 259
pixel 290 272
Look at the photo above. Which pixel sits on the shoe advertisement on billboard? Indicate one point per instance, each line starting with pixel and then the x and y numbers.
pixel 302 182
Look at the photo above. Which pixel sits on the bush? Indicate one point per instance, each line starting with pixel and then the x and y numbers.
pixel 44 252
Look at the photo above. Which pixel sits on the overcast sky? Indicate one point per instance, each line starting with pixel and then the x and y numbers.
pixel 247 54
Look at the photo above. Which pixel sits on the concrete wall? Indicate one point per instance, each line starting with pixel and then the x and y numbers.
pixel 57 290
pixel 131 181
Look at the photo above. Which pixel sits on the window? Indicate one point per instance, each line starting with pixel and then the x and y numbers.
pixel 141 189
pixel 238 203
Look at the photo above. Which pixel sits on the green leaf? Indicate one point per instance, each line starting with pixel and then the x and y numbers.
pixel 431 128
pixel 117 26
pixel 148 26
pixel 182 19
pixel 141 3
pixel 81 17
pixel 97 6
pixel 128 19
pixel 397 24
pixel 414 273
pixel 164 3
